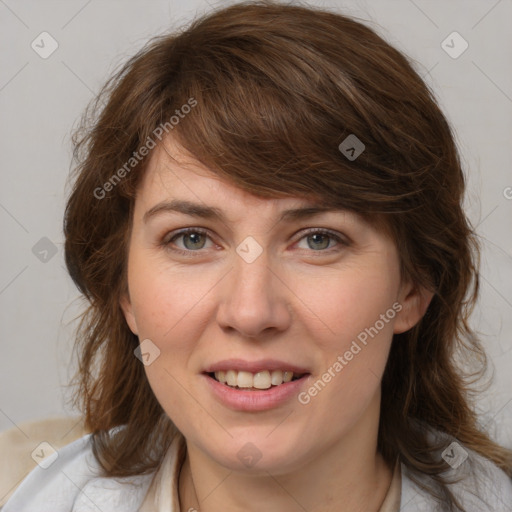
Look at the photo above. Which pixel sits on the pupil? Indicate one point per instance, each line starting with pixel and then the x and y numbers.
pixel 316 238
pixel 195 238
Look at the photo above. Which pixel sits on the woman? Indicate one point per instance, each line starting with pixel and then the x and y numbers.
pixel 267 223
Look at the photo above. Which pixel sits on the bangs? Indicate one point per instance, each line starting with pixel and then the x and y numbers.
pixel 274 126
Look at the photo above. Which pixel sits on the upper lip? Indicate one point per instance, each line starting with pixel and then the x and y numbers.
pixel 254 366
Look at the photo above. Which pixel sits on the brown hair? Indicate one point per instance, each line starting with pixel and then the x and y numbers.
pixel 276 88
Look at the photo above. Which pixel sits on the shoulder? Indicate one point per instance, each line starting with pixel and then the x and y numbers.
pixel 475 480
pixel 73 482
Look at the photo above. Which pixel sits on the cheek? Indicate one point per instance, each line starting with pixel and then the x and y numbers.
pixel 350 302
pixel 164 298
pixel 356 309
pixel 169 306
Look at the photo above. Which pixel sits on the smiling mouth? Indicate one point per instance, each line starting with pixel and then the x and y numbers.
pixel 247 381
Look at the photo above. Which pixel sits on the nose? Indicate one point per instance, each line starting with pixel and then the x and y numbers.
pixel 255 299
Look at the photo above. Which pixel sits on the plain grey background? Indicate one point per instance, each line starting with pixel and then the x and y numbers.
pixel 41 100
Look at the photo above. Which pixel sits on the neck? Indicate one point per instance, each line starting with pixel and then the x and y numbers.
pixel 350 476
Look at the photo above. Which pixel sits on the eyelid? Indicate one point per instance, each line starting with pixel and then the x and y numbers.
pixel 334 234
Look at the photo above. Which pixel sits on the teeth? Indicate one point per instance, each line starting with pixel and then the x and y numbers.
pixel 231 378
pixel 260 380
pixel 245 380
pixel 276 378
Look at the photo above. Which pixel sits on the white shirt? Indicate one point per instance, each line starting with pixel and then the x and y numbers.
pixel 72 484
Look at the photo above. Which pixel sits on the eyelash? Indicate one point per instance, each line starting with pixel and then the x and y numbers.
pixel 166 242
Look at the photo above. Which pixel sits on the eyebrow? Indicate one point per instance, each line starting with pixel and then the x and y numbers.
pixel 209 212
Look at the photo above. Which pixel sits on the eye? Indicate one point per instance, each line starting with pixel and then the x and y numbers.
pixel 320 239
pixel 193 240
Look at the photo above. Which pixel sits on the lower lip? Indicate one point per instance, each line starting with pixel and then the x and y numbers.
pixel 261 400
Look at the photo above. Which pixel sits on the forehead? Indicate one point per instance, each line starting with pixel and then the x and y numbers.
pixel 173 173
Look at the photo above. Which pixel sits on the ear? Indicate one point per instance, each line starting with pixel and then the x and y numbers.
pixel 127 308
pixel 414 301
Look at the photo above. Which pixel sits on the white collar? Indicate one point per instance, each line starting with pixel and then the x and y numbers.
pixel 162 494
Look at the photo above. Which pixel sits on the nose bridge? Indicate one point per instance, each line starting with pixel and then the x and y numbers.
pixel 253 278
pixel 254 299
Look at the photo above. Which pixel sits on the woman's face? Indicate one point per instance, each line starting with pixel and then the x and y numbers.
pixel 260 290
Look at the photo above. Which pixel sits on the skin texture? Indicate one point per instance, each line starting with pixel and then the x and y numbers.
pixel 303 301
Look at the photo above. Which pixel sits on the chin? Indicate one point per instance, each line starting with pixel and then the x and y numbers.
pixel 257 454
